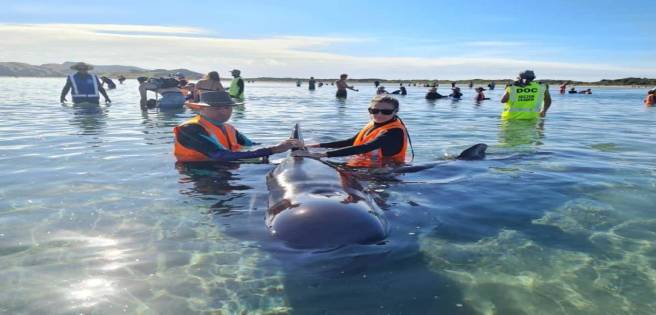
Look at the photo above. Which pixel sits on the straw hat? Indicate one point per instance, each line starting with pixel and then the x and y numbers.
pixel 81 66
pixel 216 99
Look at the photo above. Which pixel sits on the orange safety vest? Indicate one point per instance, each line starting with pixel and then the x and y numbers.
pixel 228 141
pixel 367 135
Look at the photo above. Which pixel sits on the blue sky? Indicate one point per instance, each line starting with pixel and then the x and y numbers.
pixel 391 39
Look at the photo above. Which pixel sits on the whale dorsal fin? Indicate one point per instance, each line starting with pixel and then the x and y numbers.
pixel 296 134
pixel 475 152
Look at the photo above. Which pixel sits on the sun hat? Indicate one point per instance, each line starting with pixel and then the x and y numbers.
pixel 216 99
pixel 81 66
pixel 235 70
pixel 480 88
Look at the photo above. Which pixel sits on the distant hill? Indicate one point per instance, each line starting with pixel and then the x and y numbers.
pixel 17 69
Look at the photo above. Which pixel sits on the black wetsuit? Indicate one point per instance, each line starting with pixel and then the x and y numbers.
pixel 391 143
pixel 311 84
pixel 195 137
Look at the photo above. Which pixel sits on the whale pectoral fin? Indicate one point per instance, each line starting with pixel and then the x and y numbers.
pixel 475 152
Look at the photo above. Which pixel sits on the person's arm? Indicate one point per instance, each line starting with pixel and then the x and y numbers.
pixel 505 97
pixel 64 92
pixel 104 94
pixel 547 103
pixel 196 138
pixel 240 85
pixel 350 87
pixel 391 142
pixel 243 140
pixel 337 144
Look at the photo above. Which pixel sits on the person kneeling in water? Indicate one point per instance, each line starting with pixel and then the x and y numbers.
pixel 208 138
pixel 384 139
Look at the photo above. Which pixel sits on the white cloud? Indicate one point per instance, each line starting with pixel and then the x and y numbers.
pixel 193 48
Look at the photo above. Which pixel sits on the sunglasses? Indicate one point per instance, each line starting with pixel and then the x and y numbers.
pixel 374 111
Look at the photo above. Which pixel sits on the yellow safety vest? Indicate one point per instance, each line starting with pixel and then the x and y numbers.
pixel 234 89
pixel 525 102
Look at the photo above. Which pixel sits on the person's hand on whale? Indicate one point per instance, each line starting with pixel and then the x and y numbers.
pixel 286 145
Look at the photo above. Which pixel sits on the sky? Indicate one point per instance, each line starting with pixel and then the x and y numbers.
pixel 578 40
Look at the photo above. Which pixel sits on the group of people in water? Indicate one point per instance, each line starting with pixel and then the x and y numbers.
pixel 176 90
pixel 208 137
pixel 172 92
pixel 385 139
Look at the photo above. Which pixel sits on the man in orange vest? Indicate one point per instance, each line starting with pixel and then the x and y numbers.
pixel 207 137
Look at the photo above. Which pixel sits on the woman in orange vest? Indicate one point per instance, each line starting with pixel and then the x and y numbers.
pixel 208 138
pixel 383 139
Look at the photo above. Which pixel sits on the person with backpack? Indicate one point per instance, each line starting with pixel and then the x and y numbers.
pixel 171 95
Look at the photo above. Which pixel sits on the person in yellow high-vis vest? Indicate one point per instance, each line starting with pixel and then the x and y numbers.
pixel 526 99
pixel 237 85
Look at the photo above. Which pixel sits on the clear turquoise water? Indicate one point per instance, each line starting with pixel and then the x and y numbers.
pixel 559 219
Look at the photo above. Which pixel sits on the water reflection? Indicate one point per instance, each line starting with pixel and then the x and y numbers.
pixel 216 181
pixel 90 118
pixel 514 133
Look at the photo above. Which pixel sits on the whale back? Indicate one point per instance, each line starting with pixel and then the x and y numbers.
pixel 312 205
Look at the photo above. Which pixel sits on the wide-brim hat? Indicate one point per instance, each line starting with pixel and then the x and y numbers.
pixel 216 99
pixel 479 89
pixel 81 66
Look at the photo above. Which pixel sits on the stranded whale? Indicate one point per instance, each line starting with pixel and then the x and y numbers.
pixel 312 205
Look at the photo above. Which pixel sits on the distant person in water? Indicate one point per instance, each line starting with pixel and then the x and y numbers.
pixel 471 84
pixel 298 83
pixel 320 84
pixel 455 93
pixel 480 96
pixel 563 87
pixel 110 84
pixel 342 86
pixel 211 82
pixel 491 85
pixel 433 95
pixel 381 91
pixel 376 83
pixel 209 138
pixel 182 81
pixel 86 87
pixel 173 97
pixel 121 78
pixel 587 91
pixel 401 90
pixel 650 99
pixel 453 84
pixel 526 99
pixel 236 89
pixel 572 91
pixel 311 84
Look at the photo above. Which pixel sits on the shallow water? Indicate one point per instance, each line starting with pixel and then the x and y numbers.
pixel 95 218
